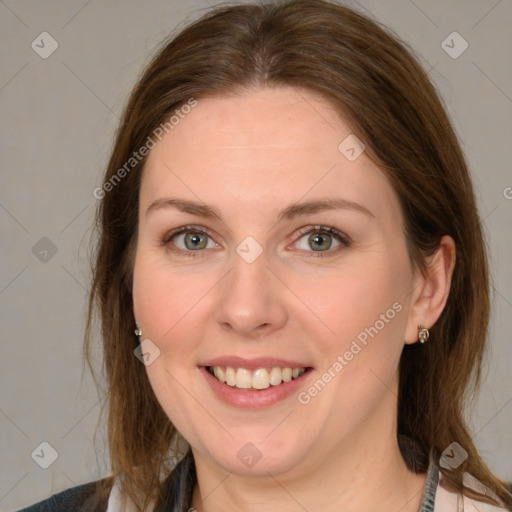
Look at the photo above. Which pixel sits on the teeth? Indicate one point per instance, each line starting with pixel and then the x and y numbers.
pixel 243 378
pixel 275 376
pixel 230 376
pixel 219 373
pixel 262 378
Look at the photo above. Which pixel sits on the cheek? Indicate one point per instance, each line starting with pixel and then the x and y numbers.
pixel 366 310
pixel 165 304
pixel 363 303
pixel 164 298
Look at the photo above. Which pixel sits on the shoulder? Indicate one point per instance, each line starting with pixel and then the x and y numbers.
pixel 471 505
pixel 448 500
pixel 89 497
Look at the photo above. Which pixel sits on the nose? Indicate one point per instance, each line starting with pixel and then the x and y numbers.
pixel 251 300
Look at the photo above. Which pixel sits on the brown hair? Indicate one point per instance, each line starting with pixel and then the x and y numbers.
pixel 373 80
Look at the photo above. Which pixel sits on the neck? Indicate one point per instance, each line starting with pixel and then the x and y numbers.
pixel 363 473
pixel 391 488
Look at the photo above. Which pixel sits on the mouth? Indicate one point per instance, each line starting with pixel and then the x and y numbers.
pixel 258 379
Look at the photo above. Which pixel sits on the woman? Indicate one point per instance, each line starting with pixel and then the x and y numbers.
pixel 291 277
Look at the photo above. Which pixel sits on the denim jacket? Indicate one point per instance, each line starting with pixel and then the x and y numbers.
pixel 83 498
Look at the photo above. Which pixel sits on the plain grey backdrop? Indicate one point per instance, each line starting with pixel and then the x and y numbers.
pixel 58 114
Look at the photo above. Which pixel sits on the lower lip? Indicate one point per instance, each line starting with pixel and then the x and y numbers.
pixel 248 399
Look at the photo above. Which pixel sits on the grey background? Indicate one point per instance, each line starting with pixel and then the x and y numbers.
pixel 58 116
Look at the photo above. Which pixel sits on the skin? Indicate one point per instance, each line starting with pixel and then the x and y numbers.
pixel 250 155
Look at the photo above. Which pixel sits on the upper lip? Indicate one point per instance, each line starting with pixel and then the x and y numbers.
pixel 253 364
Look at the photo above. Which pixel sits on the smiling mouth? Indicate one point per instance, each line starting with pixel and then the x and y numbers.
pixel 259 379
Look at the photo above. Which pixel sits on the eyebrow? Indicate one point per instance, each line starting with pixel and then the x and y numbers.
pixel 290 212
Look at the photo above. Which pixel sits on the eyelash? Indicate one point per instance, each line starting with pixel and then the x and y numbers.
pixel 343 239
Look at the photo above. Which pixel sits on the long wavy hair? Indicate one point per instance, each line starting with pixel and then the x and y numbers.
pixel 379 87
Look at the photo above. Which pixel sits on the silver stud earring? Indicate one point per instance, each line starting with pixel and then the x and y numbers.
pixel 138 332
pixel 423 335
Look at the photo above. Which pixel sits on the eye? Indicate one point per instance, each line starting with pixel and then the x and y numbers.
pixel 320 238
pixel 188 240
pixel 193 239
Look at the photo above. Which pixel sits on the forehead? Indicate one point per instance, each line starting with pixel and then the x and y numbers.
pixel 263 148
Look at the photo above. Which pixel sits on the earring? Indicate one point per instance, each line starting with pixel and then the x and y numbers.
pixel 138 332
pixel 423 335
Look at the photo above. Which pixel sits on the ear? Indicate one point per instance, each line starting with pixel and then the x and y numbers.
pixel 431 291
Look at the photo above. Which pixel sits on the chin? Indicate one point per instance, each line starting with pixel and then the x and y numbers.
pixel 257 455
pixel 250 461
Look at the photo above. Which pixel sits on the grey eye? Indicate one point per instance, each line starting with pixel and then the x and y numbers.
pixel 193 240
pixel 318 242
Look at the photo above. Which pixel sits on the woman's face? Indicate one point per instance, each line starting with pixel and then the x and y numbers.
pixel 236 270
